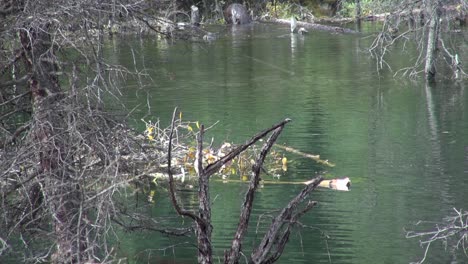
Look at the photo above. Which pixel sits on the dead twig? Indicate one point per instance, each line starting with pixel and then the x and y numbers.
pixel 452 231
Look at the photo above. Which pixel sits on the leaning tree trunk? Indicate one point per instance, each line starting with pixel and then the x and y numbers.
pixel 432 39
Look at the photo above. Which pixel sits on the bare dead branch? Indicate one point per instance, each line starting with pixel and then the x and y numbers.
pixel 204 227
pixel 454 63
pixel 19 81
pixel 275 237
pixel 13 137
pixel 176 205
pixel 452 231
pixel 149 225
pixel 233 255
pixel 424 29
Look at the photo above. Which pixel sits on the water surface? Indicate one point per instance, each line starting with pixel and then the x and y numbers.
pixel 403 144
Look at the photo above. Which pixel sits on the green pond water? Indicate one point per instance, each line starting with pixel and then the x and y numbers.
pixel 404 144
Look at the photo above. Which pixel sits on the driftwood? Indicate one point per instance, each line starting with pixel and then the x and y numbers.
pixel 313 26
pixel 274 241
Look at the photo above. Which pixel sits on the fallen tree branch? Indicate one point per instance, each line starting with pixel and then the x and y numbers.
pixel 306 155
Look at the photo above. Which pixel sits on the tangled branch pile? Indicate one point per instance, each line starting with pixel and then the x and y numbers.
pixel 430 25
pixel 184 154
pixel 62 158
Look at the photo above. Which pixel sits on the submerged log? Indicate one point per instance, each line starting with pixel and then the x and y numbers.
pixel 338 184
pixel 306 155
pixel 314 26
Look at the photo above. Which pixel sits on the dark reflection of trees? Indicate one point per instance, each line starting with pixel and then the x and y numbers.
pixel 446 114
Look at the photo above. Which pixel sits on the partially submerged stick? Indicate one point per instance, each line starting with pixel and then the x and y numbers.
pixel 339 184
pixel 306 155
pixel 342 184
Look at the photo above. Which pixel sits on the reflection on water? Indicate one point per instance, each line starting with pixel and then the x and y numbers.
pixel 401 143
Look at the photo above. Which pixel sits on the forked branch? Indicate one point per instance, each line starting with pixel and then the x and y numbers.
pixel 214 167
pixel 176 205
pixel 203 218
pixel 272 245
pixel 233 255
pixel 452 232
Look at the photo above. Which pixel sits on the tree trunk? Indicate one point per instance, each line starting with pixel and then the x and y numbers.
pixel 358 10
pixel 204 227
pixel 358 15
pixel 432 39
pixel 194 16
pixel 48 132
